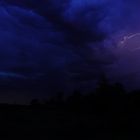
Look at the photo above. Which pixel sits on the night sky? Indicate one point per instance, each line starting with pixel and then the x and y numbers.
pixel 63 45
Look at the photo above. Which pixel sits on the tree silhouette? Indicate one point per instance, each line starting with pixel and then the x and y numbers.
pixel 34 102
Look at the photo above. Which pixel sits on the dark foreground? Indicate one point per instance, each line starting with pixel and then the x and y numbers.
pixel 110 117
pixel 110 114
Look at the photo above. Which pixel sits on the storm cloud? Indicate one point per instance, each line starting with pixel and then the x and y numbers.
pixel 58 46
pixel 66 43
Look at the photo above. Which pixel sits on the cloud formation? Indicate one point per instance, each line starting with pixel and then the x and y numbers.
pixel 63 41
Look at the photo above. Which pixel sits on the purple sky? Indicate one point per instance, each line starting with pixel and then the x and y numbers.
pixel 69 43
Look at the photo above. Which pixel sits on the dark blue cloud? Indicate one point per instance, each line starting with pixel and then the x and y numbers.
pixel 53 38
pixel 62 41
pixel 50 47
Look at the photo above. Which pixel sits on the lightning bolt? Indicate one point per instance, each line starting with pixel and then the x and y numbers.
pixel 126 38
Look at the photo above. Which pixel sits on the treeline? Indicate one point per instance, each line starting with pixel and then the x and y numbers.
pixel 107 98
pixel 107 113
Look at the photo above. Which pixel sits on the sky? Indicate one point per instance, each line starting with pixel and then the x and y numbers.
pixel 66 45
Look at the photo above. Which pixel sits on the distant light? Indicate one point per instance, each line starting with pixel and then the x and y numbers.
pixel 126 38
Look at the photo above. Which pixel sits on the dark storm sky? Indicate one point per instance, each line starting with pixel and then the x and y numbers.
pixel 69 43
